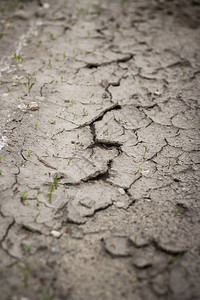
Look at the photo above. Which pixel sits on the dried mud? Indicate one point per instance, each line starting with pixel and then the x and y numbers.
pixel 99 148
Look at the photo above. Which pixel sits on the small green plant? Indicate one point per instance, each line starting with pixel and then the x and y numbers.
pixel 62 80
pixel 170 163
pixel 9 90
pixel 74 116
pixel 64 55
pixel 53 186
pixel 36 126
pixel 50 64
pixel 53 122
pixel 176 257
pixel 52 37
pixel 119 120
pixel 29 83
pixel 17 57
pixel 1 172
pixel 55 181
pixel 26 275
pixel 105 132
pixel 140 81
pixel 184 73
pixel 146 150
pixel 178 211
pixel 28 228
pixel 13 4
pixel 24 195
pixel 30 152
pixel 69 160
pixel 1 35
pixel 50 194
pixel 85 113
pixel 27 248
pixel 39 43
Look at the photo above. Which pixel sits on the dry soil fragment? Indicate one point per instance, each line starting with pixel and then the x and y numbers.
pixel 142 262
pixel 160 284
pixel 138 241
pixel 179 284
pixel 170 246
pixel 117 246
pixel 88 198
pixel 21 14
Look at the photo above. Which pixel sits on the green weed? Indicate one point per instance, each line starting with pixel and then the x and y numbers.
pixel 105 132
pixel 29 83
pixel 27 248
pixel 69 160
pixel 50 64
pixel 26 274
pixel 62 79
pixel 52 37
pixel 176 257
pixel 17 57
pixel 24 195
pixel 85 113
pixel 119 120
pixel 53 186
pixel 146 150
pixel 74 116
pixel 178 211
pixel 30 152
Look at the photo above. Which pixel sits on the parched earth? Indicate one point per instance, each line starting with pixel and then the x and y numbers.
pixel 99 139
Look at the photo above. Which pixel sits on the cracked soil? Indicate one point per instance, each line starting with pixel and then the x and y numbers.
pixel 99 150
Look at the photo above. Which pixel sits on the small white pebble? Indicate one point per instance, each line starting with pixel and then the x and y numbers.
pixel 56 233
pixel 46 5
pixel 121 191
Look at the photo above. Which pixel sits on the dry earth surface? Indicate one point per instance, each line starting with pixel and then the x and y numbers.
pixel 99 139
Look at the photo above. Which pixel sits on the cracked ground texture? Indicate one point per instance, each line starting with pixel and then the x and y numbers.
pixel 99 139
